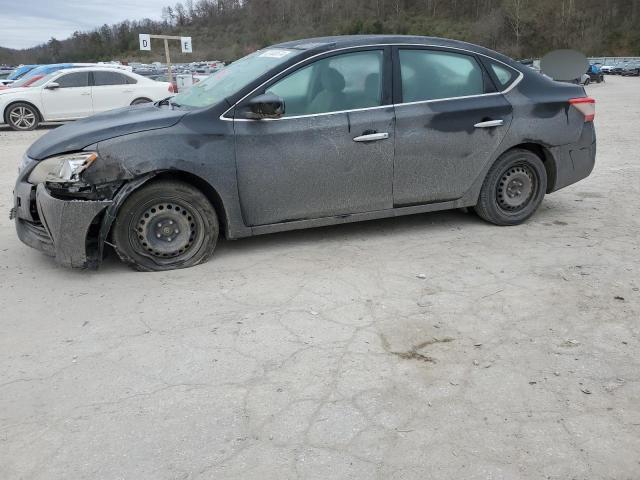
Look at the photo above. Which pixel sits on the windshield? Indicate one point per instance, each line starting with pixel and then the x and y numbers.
pixel 43 80
pixel 26 79
pixel 233 78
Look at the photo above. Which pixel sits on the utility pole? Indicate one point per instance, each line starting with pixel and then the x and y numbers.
pixel 185 45
pixel 166 52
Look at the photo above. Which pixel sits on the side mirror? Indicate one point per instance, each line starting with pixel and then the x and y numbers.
pixel 265 106
pixel 52 85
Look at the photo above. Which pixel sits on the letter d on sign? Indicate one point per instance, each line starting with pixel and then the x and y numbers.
pixel 145 41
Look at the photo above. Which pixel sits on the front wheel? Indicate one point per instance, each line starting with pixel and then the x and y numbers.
pixel 22 117
pixel 513 189
pixel 164 226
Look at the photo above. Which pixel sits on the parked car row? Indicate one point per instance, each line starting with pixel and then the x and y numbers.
pixel 179 83
pixel 194 68
pixel 76 92
pixel 626 68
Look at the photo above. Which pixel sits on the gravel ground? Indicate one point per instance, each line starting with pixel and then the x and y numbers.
pixel 322 354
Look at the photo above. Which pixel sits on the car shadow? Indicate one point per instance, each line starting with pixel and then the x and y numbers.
pixel 42 126
pixel 370 229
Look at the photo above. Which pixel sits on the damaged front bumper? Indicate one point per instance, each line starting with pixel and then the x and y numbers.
pixel 67 229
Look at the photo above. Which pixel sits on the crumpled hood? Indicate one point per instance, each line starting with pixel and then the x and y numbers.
pixel 77 135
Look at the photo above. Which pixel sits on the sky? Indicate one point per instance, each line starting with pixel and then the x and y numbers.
pixel 26 23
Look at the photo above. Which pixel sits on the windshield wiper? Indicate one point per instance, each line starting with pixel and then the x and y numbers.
pixel 167 101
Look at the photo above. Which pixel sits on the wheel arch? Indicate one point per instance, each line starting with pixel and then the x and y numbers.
pixel 547 159
pixel 14 102
pixel 146 99
pixel 195 181
pixel 205 187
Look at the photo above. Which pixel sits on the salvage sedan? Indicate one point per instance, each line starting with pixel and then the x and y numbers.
pixel 305 134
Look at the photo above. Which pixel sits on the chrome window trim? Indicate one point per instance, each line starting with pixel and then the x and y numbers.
pixel 382 45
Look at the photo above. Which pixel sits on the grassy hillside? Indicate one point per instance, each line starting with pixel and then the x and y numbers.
pixel 227 29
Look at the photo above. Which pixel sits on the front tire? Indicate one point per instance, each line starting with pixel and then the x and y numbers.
pixel 22 117
pixel 164 226
pixel 513 189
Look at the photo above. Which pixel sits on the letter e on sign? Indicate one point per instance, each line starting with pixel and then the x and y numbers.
pixel 145 41
pixel 186 44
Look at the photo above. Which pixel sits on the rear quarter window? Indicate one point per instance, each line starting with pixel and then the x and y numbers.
pixel 504 75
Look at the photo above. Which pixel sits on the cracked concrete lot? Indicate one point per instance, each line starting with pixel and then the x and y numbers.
pixel 322 354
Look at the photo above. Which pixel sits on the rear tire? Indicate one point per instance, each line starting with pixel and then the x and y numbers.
pixel 513 189
pixel 22 117
pixel 165 225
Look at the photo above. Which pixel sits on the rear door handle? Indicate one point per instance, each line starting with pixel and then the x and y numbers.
pixel 489 124
pixel 372 137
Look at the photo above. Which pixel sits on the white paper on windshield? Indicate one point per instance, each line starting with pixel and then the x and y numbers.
pixel 275 53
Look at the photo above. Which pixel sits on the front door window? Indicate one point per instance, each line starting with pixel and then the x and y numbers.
pixel 343 82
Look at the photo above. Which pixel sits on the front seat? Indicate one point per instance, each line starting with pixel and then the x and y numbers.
pixel 331 97
pixel 372 90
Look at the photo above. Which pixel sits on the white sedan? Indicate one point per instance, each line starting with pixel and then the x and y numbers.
pixel 76 93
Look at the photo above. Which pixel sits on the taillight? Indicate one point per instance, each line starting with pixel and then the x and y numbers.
pixel 586 106
pixel 171 89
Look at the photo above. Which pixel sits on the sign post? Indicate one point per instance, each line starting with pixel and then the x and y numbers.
pixel 185 45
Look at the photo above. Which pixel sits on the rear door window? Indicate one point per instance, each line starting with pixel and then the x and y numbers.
pixel 434 74
pixel 101 79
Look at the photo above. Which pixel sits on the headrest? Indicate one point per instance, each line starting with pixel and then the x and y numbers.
pixel 332 80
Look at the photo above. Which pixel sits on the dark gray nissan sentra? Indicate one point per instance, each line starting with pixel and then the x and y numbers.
pixel 305 134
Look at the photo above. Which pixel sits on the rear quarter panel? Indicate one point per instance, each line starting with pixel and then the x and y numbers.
pixel 542 114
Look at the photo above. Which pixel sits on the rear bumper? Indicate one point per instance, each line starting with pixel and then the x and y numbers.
pixel 575 161
pixel 59 228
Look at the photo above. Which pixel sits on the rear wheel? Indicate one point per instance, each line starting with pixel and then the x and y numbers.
pixel 513 189
pixel 22 116
pixel 164 226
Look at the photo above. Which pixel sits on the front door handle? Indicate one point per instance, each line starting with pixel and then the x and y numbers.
pixel 372 137
pixel 489 124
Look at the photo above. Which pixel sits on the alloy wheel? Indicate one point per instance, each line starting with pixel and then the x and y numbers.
pixel 22 117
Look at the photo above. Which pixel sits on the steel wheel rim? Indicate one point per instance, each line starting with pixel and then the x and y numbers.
pixel 518 184
pixel 22 117
pixel 166 231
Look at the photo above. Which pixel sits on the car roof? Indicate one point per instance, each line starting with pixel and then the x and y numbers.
pixel 319 44
pixel 52 67
pixel 94 69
